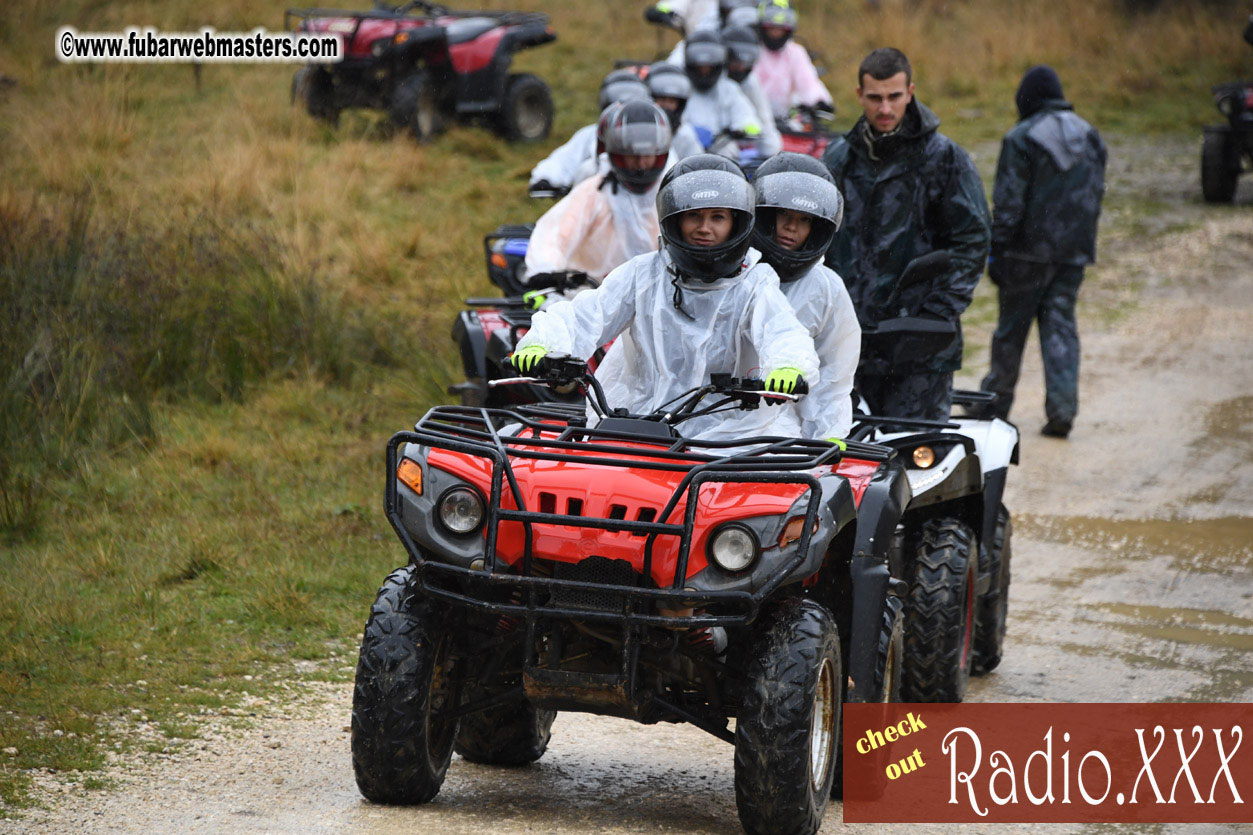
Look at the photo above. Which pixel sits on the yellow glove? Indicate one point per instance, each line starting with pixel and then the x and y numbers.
pixel 525 359
pixel 783 380
pixel 534 299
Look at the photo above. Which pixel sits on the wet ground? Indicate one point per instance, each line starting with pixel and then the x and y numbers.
pixel 1133 576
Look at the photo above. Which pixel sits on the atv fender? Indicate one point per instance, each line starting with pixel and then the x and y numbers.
pixel 993 492
pixel 996 441
pixel 471 340
pixel 880 511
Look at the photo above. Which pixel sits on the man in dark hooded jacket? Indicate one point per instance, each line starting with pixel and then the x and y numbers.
pixel 908 191
pixel 1047 198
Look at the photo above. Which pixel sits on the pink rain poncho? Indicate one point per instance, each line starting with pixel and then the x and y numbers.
pixel 788 78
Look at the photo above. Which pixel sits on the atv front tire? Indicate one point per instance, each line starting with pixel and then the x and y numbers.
pixel 313 87
pixel 510 734
pixel 415 107
pixel 788 728
pixel 400 746
pixel 526 111
pixel 993 607
pixel 1218 174
pixel 939 614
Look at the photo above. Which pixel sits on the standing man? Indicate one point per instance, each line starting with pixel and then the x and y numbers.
pixel 908 191
pixel 1047 198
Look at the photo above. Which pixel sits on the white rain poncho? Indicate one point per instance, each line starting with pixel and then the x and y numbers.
pixel 771 141
pixel 685 142
pixel 560 167
pixel 720 109
pixel 659 352
pixel 696 14
pixel 823 306
pixel 593 229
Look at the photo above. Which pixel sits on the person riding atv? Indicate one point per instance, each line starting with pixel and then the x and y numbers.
pixel 698 306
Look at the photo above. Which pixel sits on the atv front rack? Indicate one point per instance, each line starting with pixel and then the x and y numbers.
pixel 521 592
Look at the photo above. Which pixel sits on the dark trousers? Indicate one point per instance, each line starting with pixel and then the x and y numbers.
pixel 1045 293
pixel 922 396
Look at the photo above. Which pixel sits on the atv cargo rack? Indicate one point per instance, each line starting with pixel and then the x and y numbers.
pixel 473 431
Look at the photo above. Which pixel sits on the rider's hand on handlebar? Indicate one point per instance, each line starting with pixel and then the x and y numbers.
pixel 525 359
pixel 534 299
pixel 783 380
pixel 840 442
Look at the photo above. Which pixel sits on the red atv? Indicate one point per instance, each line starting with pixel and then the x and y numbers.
pixel 424 64
pixel 626 571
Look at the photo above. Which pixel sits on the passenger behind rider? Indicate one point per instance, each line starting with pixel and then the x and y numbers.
pixel 608 219
pixel 560 170
pixel 718 109
pixel 671 88
pixel 784 69
pixel 799 210
pixel 703 304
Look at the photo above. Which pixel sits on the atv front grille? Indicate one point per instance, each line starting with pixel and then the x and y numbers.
pixel 599 570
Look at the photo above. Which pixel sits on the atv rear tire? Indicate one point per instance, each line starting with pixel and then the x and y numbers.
pixel 788 728
pixel 526 111
pixel 314 87
pixel 1218 175
pixel 939 614
pixel 993 607
pixel 400 746
pixel 415 107
pixel 510 734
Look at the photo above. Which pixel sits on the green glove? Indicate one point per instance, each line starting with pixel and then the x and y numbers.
pixel 783 380
pixel 534 299
pixel 525 359
pixel 838 442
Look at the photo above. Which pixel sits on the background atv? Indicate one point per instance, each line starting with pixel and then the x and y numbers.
pixel 622 570
pixel 1227 150
pixel 425 64
pixel 951 541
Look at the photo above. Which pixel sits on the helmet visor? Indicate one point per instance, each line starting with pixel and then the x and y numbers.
pixel 800 192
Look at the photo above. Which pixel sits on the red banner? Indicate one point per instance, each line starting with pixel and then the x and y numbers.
pixel 1048 763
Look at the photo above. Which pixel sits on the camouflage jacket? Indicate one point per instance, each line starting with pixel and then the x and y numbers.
pixel 1049 185
pixel 908 195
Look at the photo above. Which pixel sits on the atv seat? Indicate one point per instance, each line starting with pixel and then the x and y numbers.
pixel 469 28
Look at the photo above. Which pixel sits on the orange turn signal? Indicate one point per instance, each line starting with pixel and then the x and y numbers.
pixel 498 260
pixel 410 474
pixel 402 37
pixel 792 530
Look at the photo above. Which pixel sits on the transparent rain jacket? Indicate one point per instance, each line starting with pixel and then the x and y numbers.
pixel 788 78
pixel 560 167
pixel 823 306
pixel 593 229
pixel 660 351
pixel 723 108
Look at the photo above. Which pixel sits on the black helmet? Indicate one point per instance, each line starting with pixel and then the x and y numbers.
pixel 621 85
pixel 742 49
pixel 705 181
pixel 704 58
pixel 802 184
pixel 726 7
pixel 637 139
pixel 776 13
pixel 666 81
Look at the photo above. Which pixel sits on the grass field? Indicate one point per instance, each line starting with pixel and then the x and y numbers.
pixel 217 311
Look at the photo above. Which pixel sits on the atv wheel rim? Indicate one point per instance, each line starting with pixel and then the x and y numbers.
pixel 968 627
pixel 822 725
pixel 439 730
pixel 425 117
pixel 529 114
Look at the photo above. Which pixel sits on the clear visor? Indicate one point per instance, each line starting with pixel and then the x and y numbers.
pixel 800 192
pixel 706 190
pixel 639 138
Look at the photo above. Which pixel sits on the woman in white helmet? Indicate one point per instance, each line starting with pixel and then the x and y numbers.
pixel 701 305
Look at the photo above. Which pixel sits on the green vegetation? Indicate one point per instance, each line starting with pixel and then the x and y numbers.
pixel 216 311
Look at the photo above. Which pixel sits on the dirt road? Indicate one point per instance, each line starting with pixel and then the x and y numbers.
pixel 1132 581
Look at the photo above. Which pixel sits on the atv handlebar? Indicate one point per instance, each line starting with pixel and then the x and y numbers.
pixel 559 370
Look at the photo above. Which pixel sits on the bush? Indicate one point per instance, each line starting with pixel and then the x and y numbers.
pixel 103 321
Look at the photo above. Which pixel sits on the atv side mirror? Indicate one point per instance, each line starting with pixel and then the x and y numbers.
pixel 925 268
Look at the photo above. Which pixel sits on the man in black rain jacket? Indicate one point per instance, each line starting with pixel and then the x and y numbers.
pixel 1047 199
pixel 908 191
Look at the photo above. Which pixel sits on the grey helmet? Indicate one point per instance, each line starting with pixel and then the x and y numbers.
pixel 742 51
pixel 637 140
pixel 602 126
pixel 704 58
pixel 667 81
pixel 705 181
pixel 621 85
pixel 802 184
pixel 743 16
pixel 726 8
pixel 778 14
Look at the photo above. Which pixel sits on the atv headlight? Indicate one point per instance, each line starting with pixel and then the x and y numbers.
pixel 924 457
pixel 461 510
pixel 1226 105
pixel 733 547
